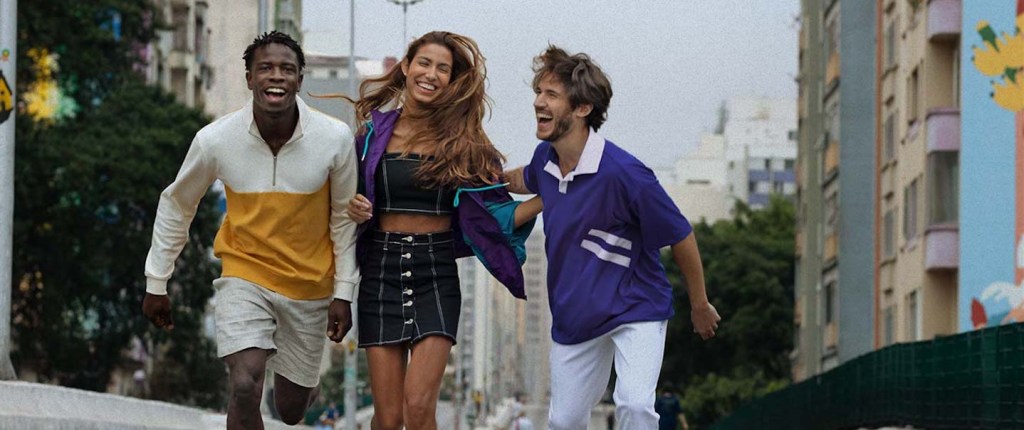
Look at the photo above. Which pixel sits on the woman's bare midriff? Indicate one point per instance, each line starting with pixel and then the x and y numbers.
pixel 414 223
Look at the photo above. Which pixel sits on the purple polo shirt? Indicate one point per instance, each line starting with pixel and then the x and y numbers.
pixel 605 223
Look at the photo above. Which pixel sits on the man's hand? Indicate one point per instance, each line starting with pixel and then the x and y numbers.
pixel 158 310
pixel 516 184
pixel 705 320
pixel 339 319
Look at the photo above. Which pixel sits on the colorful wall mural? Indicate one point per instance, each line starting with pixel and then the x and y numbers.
pixel 992 164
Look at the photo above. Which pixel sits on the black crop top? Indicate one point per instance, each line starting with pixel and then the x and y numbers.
pixel 398 191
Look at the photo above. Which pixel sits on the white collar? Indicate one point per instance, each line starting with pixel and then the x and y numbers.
pixel 304 116
pixel 590 160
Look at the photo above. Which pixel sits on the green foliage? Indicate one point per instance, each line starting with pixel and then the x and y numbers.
pixel 93 57
pixel 749 268
pixel 86 191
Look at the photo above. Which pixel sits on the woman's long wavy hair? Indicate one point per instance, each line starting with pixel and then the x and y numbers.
pixel 463 154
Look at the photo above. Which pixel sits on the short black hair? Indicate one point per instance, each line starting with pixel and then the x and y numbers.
pixel 273 37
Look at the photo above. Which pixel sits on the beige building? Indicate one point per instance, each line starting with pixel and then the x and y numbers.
pixel 918 170
pixel 178 60
pixel 701 188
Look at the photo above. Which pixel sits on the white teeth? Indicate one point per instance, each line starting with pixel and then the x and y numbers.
pixel 426 86
pixel 276 90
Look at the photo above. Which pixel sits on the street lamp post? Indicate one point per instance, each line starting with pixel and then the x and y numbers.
pixel 351 354
pixel 405 21
pixel 8 75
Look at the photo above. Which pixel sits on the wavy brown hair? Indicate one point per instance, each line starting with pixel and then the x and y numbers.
pixel 463 154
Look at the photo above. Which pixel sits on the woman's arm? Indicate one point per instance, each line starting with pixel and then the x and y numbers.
pixel 527 210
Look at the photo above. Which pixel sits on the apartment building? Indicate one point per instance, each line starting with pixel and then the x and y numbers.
pixel 178 60
pixel 751 156
pixel 835 276
pixel 917 169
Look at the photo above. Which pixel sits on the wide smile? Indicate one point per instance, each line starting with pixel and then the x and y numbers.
pixel 275 94
pixel 543 119
pixel 426 87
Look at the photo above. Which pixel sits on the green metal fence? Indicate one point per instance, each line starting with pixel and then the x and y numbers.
pixel 973 380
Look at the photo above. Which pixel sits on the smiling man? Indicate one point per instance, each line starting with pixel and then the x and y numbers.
pixel 606 219
pixel 286 242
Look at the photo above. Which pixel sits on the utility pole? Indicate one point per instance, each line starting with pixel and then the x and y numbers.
pixel 351 351
pixel 8 99
pixel 264 12
pixel 405 17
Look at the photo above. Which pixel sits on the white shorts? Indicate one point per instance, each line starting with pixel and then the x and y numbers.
pixel 295 331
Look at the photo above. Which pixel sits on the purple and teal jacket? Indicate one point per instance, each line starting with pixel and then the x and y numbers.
pixel 485 230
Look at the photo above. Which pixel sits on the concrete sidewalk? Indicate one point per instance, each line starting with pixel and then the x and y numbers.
pixel 37 406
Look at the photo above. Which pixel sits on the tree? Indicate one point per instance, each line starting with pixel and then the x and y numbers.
pixel 86 189
pixel 749 269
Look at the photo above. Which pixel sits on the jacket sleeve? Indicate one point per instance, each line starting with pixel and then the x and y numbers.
pixel 344 177
pixel 174 214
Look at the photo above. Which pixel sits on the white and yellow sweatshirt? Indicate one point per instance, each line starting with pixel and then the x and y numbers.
pixel 286 226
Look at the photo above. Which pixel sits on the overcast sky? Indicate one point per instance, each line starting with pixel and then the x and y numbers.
pixel 671 62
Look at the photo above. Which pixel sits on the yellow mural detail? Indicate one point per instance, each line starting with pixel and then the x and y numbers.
pixel 6 99
pixel 1009 95
pixel 1002 56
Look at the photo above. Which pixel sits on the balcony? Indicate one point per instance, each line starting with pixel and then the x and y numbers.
pixel 943 126
pixel 943 20
pixel 942 245
pixel 831 338
pixel 831 159
pixel 831 247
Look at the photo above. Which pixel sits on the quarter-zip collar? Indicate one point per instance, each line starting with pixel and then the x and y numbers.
pixel 301 124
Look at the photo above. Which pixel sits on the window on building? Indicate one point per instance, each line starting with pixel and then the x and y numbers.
pixel 831 213
pixel 913 316
pixel 763 187
pixel 789 188
pixel 179 19
pixel 913 97
pixel 830 302
pixel 889 233
pixel 910 211
pixel 956 77
pixel 831 38
pixel 333 74
pixel 889 324
pixel 890 44
pixel 943 187
pixel 889 137
pixel 790 164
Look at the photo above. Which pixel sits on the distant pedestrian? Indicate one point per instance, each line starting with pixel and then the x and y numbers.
pixel 329 416
pixel 606 218
pixel 670 410
pixel 522 422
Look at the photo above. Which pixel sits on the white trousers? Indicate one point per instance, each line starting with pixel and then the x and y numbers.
pixel 580 374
